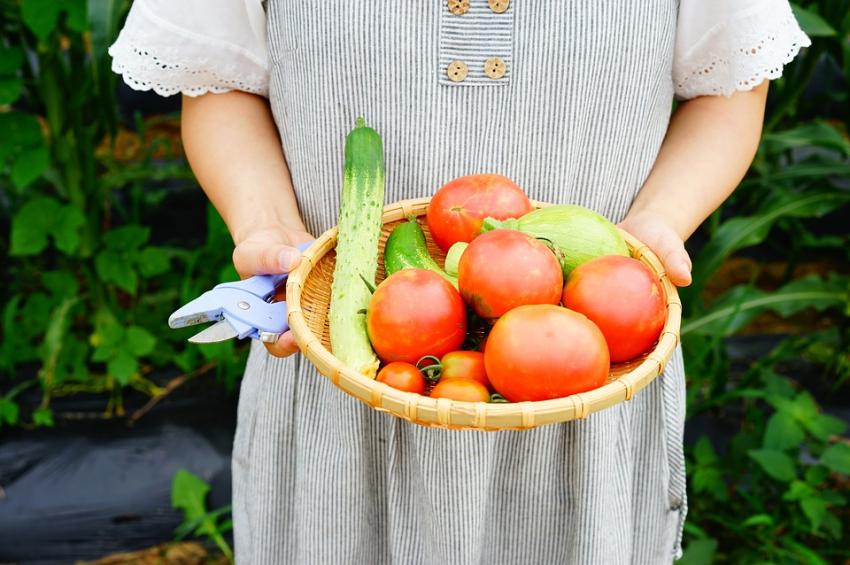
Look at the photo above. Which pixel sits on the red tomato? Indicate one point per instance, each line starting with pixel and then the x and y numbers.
pixel 458 207
pixel 466 390
pixel 540 352
pixel 414 313
pixel 623 297
pixel 503 269
pixel 402 376
pixel 465 365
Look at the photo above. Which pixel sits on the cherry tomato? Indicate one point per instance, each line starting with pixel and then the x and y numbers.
pixel 413 313
pixel 541 351
pixel 466 390
pixel 402 376
pixel 464 364
pixel 503 269
pixel 458 208
pixel 623 297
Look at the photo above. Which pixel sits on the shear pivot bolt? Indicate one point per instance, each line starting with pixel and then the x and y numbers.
pixel 242 304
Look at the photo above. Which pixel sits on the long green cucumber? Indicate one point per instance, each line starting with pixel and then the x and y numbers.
pixel 406 248
pixel 360 213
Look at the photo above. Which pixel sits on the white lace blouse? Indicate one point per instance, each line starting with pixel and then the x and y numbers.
pixel 170 47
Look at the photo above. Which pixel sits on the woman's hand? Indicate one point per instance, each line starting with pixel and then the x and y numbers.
pixel 271 251
pixel 660 236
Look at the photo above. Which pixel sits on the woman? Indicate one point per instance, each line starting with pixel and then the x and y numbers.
pixel 572 101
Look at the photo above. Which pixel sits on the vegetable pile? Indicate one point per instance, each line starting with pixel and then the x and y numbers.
pixel 530 304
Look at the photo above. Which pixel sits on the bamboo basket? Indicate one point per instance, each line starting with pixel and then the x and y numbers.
pixel 308 292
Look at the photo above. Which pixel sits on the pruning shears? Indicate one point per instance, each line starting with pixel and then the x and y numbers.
pixel 240 309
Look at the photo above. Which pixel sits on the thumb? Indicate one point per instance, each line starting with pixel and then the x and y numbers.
pixel 259 258
pixel 676 261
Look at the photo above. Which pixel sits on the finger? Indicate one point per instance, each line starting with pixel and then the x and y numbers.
pixel 257 258
pixel 283 347
pixel 677 262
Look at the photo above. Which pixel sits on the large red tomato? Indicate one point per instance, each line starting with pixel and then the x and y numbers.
pixel 413 313
pixel 457 209
pixel 503 269
pixel 540 352
pixel 623 297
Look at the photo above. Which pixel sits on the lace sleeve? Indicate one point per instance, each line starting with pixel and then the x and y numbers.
pixel 172 47
pixel 725 46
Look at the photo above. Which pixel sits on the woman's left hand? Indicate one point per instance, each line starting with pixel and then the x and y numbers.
pixel 660 236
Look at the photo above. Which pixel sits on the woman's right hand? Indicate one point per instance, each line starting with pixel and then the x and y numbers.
pixel 271 251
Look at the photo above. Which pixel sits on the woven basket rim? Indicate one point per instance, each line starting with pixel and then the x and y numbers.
pixel 451 414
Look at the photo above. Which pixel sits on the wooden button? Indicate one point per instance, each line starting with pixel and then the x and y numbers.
pixel 495 68
pixel 499 6
pixel 458 7
pixel 457 71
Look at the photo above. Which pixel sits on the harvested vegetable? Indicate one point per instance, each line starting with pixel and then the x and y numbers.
pixel 579 233
pixel 360 226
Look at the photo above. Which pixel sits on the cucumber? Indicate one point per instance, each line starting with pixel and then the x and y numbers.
pixel 406 248
pixel 361 210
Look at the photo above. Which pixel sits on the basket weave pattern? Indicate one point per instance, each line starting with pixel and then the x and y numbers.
pixel 308 298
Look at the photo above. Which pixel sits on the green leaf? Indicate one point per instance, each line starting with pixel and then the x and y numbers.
pixel 11 59
pixel 758 520
pixel 139 341
pixel 43 417
pixel 797 491
pixel 60 283
pixel 811 23
pixel 740 232
pixel 28 165
pixel 774 463
pixel 54 337
pixel 127 238
pixel 699 552
pixel 704 452
pixel 832 525
pixel 776 384
pixel 9 411
pixel 783 432
pixel 824 426
pixel 189 492
pixel 837 458
pixel 742 304
pixel 20 131
pixel 32 224
pixel 816 475
pixel 817 133
pixel 153 261
pixel 66 229
pixel 113 267
pixel 42 16
pixel 10 89
pixel 123 367
pixel 709 480
pixel 814 508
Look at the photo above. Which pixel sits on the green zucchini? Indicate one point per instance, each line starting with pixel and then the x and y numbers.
pixel 361 210
pixel 406 248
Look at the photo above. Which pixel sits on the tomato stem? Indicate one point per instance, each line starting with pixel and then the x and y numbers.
pixel 433 372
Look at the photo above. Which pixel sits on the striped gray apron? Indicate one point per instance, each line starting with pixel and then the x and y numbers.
pixel 577 116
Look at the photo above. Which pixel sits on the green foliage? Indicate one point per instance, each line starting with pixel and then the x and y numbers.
pixel 777 491
pixel 189 493
pixel 87 292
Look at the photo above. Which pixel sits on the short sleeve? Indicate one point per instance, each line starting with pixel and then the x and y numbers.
pixel 727 45
pixel 193 47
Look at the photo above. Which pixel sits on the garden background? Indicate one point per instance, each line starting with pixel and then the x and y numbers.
pixel 115 433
